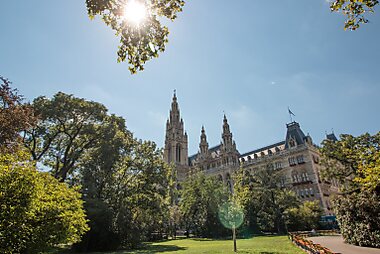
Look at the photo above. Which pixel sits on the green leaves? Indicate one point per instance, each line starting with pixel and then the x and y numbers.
pixel 201 197
pixel 355 162
pixel 67 127
pixel 37 211
pixel 138 44
pixel 355 11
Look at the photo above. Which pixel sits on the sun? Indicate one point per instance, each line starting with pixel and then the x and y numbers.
pixel 135 12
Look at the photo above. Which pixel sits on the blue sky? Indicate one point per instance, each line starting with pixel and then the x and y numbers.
pixel 251 59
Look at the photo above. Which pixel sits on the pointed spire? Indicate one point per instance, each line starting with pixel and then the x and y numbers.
pixel 203 145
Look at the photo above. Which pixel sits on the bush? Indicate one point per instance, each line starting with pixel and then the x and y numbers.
pixel 304 217
pixel 37 211
pixel 358 215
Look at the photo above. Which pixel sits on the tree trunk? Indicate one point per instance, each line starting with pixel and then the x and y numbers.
pixel 234 238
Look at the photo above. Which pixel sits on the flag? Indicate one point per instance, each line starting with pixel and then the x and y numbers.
pixel 290 112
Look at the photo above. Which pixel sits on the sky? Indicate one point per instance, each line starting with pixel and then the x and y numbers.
pixel 250 59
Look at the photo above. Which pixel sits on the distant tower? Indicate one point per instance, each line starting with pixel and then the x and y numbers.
pixel 176 145
pixel 203 145
pixel 228 143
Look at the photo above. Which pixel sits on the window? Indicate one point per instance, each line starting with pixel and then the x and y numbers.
pixel 278 165
pixel 300 159
pixel 292 142
pixel 249 158
pixel 270 152
pixel 255 156
pixel 311 192
pixel 178 153
pixel 292 161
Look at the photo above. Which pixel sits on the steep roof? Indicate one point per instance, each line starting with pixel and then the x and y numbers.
pixel 294 131
pixel 263 149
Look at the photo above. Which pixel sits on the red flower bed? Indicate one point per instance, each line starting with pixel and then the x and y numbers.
pixel 298 238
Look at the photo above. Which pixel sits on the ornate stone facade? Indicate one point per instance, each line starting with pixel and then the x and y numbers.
pixel 296 158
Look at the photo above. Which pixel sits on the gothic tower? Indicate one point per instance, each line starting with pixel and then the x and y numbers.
pixel 228 144
pixel 203 145
pixel 176 145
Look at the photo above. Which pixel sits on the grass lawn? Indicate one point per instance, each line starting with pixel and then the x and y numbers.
pixel 255 245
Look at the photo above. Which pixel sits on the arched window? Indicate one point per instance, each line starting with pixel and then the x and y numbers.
pixel 178 153
pixel 255 156
pixel 229 186
pixel 249 158
pixel 170 154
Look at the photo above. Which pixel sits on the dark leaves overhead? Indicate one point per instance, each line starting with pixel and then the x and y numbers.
pixel 355 11
pixel 138 44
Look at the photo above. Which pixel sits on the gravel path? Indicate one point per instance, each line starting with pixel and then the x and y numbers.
pixel 336 244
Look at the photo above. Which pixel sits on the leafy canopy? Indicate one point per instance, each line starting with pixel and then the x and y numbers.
pixel 37 211
pixel 354 10
pixel 138 44
pixel 15 116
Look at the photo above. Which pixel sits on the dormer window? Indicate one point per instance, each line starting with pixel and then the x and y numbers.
pixel 292 142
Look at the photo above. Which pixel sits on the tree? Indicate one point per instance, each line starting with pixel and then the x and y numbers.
pixel 15 116
pixel 354 162
pixel 125 185
pixel 66 129
pixel 305 217
pixel 354 10
pixel 201 197
pixel 37 211
pixel 262 199
pixel 138 42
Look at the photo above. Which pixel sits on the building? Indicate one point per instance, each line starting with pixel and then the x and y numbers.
pixel 297 158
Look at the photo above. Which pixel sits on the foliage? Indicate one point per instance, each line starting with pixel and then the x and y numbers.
pixel 358 215
pixel 354 10
pixel 305 217
pixel 264 202
pixel 125 185
pixel 201 197
pixel 139 43
pixel 358 161
pixel 14 116
pixel 67 128
pixel 37 211
pixel 354 161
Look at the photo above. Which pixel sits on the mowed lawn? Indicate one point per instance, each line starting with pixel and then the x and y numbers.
pixel 255 245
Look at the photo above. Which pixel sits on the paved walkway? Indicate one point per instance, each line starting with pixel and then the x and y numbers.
pixel 336 244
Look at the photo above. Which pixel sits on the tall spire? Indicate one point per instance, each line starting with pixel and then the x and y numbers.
pixel 203 145
pixel 174 112
pixel 176 146
pixel 226 134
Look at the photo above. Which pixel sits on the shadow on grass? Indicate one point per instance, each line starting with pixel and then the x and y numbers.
pixel 150 249
pixel 203 239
